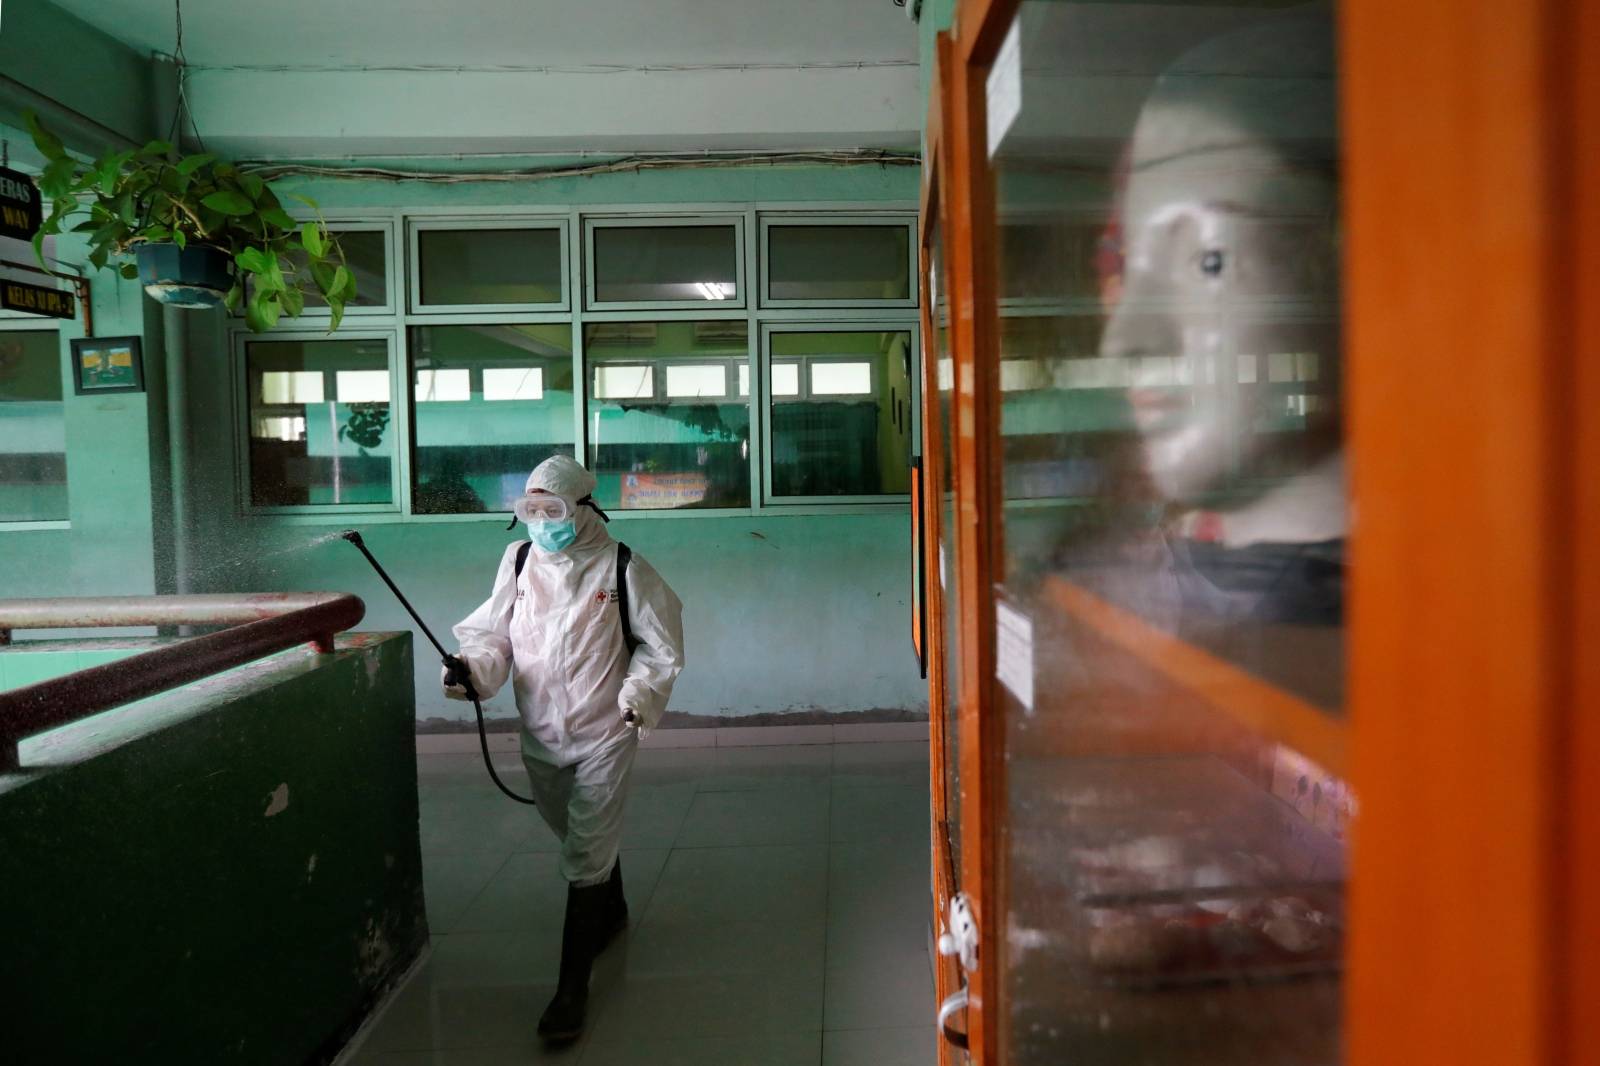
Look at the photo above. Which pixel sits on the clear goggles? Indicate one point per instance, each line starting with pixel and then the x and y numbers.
pixel 542 507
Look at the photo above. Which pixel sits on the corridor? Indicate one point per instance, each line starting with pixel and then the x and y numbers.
pixel 779 916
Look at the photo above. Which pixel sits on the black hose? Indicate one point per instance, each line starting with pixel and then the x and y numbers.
pixel 457 670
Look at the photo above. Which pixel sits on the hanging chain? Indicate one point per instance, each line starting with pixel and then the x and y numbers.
pixel 181 64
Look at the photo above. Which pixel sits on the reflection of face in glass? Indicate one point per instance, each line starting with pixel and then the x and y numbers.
pixel 1228 314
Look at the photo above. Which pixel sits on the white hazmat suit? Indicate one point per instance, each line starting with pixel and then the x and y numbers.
pixel 556 633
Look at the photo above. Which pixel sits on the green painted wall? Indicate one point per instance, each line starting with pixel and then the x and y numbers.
pixel 767 599
pixel 229 872
pixel 117 456
pixel 103 81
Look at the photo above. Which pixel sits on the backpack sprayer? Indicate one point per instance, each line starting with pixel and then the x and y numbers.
pixel 456 672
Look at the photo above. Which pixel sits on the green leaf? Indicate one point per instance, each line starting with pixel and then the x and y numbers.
pixel 157 233
pixel 308 201
pixel 86 226
pixel 228 202
pixel 294 301
pixel 126 210
pixel 38 248
pixel 55 181
pixel 252 185
pixel 263 311
pixel 157 149
pixel 180 238
pixel 48 143
pixel 189 164
pixel 312 239
pixel 254 260
pixel 99 256
pixel 341 280
pixel 322 274
pixel 337 307
pixel 129 271
pixel 235 294
pixel 277 216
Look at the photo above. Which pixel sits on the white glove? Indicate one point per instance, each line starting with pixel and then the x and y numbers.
pixel 629 716
pixel 456 691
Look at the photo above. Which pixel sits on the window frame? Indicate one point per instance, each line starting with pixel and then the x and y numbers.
pixel 399 405
pixel 416 226
pixel 579 220
pixel 769 500
pixel 770 219
pixel 593 222
pixel 22 322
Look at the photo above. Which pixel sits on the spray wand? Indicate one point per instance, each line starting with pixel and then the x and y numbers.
pixel 456 671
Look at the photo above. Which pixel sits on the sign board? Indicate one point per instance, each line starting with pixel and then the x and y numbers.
pixel 663 490
pixel 37 300
pixel 21 208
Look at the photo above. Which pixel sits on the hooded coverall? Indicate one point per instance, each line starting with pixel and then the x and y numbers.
pixel 556 634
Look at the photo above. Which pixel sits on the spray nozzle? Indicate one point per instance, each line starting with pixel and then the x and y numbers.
pixel 353 537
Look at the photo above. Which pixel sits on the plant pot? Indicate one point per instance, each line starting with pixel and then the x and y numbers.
pixel 195 277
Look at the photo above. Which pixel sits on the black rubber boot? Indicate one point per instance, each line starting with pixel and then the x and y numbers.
pixel 616 913
pixel 587 907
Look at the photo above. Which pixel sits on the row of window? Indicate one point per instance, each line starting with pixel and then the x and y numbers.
pixel 634 264
pixel 665 405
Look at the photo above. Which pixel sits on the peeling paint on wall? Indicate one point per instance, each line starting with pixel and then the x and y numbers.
pixel 374 950
pixel 280 801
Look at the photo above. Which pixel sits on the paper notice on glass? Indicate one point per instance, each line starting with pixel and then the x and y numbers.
pixel 1005 87
pixel 1013 652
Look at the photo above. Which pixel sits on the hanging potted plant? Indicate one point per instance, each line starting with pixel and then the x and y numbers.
pixel 201 231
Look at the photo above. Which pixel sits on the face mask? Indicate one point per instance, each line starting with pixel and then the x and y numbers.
pixel 552 536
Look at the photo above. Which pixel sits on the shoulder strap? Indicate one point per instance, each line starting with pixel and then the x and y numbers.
pixel 624 557
pixel 522 555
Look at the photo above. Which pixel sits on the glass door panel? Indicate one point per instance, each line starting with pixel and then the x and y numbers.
pixel 1169 631
pixel 942 496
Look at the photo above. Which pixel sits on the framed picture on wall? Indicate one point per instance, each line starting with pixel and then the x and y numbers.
pixel 107 364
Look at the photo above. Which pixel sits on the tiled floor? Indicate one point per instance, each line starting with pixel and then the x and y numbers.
pixel 780 916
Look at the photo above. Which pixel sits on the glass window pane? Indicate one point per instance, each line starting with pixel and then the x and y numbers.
pixel 698 379
pixel 744 379
pixel 291 386
pixel 489 266
pixel 665 264
pixel 841 379
pixel 785 379
pixel 513 383
pixel 509 393
pixel 444 386
pixel 319 451
pixel 624 382
pixel 366 255
pixel 33 428
pixel 362 386
pixel 838 262
pixel 850 435
pixel 654 451
pixel 1171 460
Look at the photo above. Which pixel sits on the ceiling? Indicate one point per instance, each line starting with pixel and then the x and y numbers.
pixel 511 33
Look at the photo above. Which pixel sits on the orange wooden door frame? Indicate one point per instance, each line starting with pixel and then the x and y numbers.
pixel 947 975
pixel 971 242
pixel 1474 371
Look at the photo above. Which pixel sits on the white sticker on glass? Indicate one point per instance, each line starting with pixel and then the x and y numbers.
pixel 1005 87
pixel 1013 658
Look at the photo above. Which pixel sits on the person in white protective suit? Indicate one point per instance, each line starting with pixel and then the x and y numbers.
pixel 554 626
